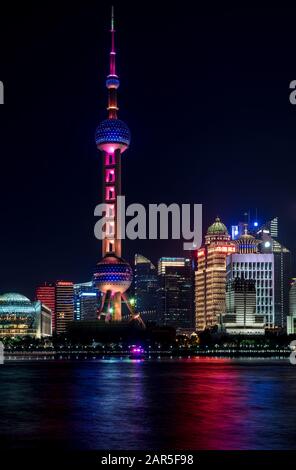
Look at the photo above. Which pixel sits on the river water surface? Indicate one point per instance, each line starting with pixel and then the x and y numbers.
pixel 185 404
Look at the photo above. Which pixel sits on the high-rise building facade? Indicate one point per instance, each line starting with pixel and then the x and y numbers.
pixel 291 318
pixel 46 294
pixel 241 317
pixel 272 226
pixel 44 324
pixel 210 277
pixel 267 236
pixel 175 292
pixel 86 301
pixel 64 306
pixel 260 268
pixel 282 270
pixel 146 285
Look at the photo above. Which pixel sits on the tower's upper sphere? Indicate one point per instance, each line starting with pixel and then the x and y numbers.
pixel 113 274
pixel 113 131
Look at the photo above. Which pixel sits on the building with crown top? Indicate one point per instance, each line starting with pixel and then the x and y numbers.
pixel 210 277
pixel 247 243
pixel 249 263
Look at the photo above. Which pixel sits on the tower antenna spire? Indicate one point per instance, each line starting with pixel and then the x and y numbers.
pixel 112 82
pixel 112 18
pixel 112 52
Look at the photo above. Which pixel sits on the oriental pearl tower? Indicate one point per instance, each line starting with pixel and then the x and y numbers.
pixel 113 275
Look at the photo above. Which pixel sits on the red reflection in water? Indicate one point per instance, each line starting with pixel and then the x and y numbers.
pixel 214 411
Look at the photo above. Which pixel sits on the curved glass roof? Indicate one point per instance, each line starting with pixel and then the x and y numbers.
pixel 14 297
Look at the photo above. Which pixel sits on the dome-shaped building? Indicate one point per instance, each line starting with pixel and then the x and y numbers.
pixel 14 298
pixel 217 232
pixel 217 228
pixel 19 316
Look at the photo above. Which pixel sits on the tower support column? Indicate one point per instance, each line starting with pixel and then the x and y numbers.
pixel 117 316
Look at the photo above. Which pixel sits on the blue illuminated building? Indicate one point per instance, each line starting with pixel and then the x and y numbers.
pixel 146 285
pixel 86 301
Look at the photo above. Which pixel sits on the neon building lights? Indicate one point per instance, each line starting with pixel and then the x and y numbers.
pixel 46 294
pixel 64 305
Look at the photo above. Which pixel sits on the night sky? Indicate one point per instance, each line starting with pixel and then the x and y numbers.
pixel 204 92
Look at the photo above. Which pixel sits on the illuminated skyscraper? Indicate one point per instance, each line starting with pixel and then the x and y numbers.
pixel 175 304
pixel 146 283
pixel 273 227
pixel 268 235
pixel 241 317
pixel 210 277
pixel 113 275
pixel 64 307
pixel 291 318
pixel 86 301
pixel 46 294
pixel 248 263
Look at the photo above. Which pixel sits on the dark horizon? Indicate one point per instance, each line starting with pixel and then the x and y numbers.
pixel 206 97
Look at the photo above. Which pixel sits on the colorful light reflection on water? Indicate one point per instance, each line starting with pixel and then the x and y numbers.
pixel 141 404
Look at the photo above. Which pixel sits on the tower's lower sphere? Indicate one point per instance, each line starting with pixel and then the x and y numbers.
pixel 113 274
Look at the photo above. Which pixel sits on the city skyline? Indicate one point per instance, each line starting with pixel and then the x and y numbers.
pixel 63 170
pixel 31 290
pixel 191 294
pixel 148 207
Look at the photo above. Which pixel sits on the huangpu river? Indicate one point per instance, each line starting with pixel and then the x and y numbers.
pixel 177 404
